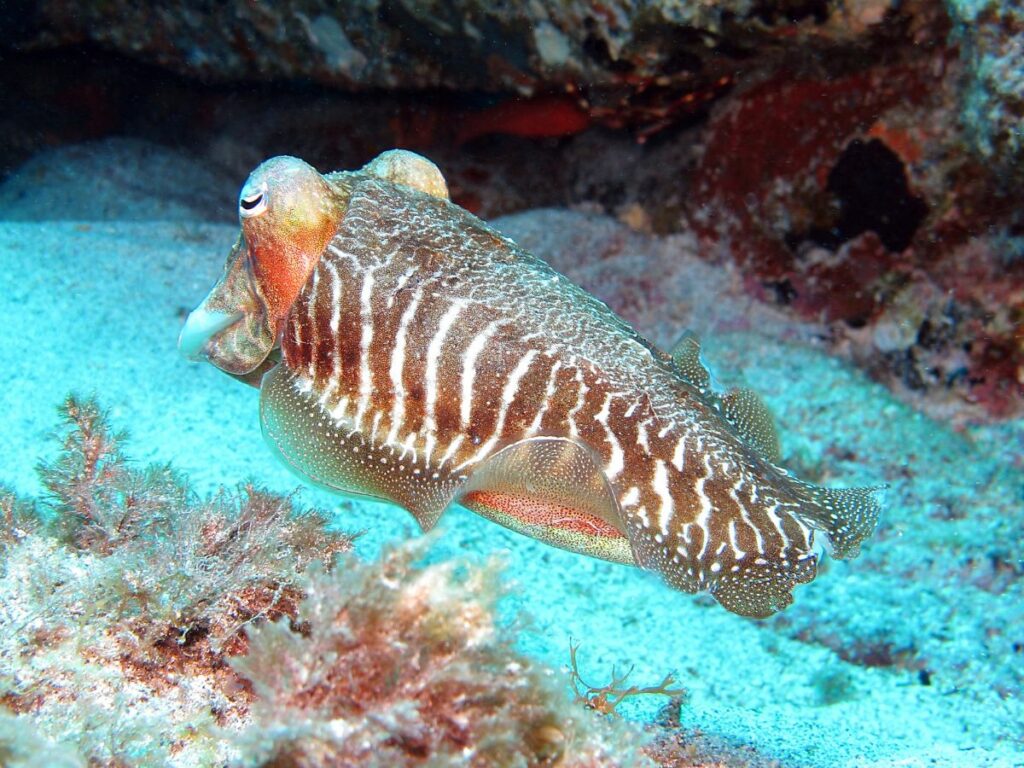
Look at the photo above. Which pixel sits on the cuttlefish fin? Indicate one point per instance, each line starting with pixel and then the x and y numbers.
pixel 741 407
pixel 687 363
pixel 846 516
pixel 334 454
pixel 400 166
pixel 554 490
pixel 747 413
pixel 759 590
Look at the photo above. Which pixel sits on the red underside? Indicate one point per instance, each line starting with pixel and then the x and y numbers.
pixel 545 514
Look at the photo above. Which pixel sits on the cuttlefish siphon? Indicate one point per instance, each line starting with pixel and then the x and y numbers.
pixel 407 351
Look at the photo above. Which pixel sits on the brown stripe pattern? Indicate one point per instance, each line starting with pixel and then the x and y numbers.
pixel 439 342
pixel 427 360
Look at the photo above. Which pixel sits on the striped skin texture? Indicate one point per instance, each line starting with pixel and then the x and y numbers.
pixel 428 360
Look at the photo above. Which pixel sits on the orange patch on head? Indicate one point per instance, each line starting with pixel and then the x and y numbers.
pixel 289 213
pixel 545 514
pixel 280 271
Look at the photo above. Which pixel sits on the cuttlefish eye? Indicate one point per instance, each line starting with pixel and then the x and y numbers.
pixel 253 202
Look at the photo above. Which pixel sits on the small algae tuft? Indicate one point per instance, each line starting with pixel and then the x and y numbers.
pixel 607 697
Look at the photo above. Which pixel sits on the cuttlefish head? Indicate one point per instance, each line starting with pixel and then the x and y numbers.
pixel 288 213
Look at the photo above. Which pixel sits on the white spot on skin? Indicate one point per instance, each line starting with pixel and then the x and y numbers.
pixel 661 490
pixel 630 497
pixel 616 459
pixel 705 507
pixel 365 337
pixel 548 394
pixel 430 373
pixel 398 365
pixel 678 455
pixel 508 394
pixel 469 370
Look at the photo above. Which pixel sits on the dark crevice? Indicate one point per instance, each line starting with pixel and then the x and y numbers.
pixel 782 291
pixel 869 187
pixel 793 12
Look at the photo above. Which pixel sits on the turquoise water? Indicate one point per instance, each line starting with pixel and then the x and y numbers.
pixel 907 656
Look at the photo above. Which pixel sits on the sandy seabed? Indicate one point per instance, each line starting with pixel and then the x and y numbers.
pixel 921 641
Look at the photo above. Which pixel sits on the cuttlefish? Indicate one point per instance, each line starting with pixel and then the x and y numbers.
pixel 407 351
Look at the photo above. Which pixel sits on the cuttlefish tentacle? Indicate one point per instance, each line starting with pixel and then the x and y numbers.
pixel 231 325
pixel 426 360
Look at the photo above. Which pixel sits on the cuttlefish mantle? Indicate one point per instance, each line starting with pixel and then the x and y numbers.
pixel 406 351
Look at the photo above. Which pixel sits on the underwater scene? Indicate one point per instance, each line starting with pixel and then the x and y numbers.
pixel 577 384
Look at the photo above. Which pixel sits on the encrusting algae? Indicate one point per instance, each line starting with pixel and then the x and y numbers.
pixel 143 626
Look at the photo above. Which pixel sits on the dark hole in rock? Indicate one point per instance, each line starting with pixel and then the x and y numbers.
pixel 869 183
pixel 784 291
pixel 675 48
pixel 857 321
pixel 792 12
pixel 596 48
